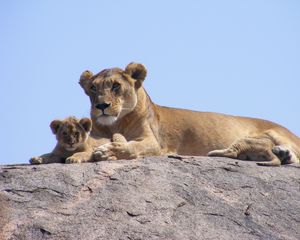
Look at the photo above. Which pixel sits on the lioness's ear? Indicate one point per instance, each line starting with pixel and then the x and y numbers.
pixel 55 125
pixel 84 80
pixel 136 71
pixel 86 123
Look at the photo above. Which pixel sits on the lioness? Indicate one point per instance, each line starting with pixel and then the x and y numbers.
pixel 119 103
pixel 74 144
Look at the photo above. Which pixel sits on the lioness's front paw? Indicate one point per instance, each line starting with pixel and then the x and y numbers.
pixel 117 137
pixel 112 151
pixel 36 160
pixel 73 160
pixel 104 153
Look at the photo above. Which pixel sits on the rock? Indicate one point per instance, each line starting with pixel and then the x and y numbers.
pixel 171 197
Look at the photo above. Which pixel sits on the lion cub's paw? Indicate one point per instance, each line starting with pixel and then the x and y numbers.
pixel 36 160
pixel 73 160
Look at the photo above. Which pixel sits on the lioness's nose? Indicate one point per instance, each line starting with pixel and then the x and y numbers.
pixel 102 106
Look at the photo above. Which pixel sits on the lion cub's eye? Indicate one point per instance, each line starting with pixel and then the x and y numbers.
pixel 115 87
pixel 93 88
pixel 76 134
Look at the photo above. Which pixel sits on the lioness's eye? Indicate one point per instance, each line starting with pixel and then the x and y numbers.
pixel 76 134
pixel 93 88
pixel 115 86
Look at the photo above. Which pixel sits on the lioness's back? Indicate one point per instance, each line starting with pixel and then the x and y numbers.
pixel 207 130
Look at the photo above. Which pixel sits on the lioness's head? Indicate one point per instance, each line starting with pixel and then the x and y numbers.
pixel 71 133
pixel 113 92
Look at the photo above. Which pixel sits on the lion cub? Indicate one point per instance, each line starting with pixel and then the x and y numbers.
pixel 74 145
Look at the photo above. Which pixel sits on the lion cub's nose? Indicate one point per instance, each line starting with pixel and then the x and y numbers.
pixel 102 106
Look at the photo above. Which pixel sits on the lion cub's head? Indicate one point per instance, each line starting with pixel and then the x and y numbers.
pixel 113 92
pixel 71 133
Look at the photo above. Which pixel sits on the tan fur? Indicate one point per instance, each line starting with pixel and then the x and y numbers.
pixel 74 145
pixel 258 149
pixel 155 130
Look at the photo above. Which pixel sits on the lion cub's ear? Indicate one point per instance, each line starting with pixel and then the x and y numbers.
pixel 86 123
pixel 136 71
pixel 84 80
pixel 55 125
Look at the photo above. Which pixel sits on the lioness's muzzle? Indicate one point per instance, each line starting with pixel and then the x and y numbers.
pixel 102 106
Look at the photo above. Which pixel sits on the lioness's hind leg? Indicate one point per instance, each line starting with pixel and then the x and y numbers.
pixel 240 149
pixel 255 149
pixel 286 155
pixel 228 152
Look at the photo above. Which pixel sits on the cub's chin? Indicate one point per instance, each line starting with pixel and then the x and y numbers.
pixel 106 120
pixel 70 149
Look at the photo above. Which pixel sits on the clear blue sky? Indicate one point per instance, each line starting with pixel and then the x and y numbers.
pixel 235 57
